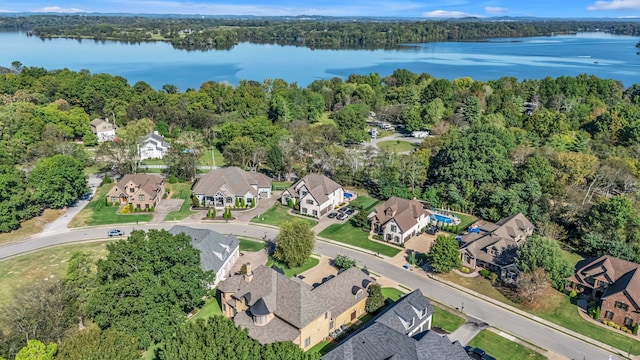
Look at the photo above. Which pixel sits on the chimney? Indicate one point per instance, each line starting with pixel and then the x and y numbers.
pixel 249 275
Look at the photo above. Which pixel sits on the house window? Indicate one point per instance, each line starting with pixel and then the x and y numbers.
pixel 621 305
pixel 388 236
pixel 326 315
pixel 394 228
pixel 146 206
pixel 315 212
pixel 412 322
pixel 307 341
pixel 304 193
pixel 141 197
pixel 494 251
pixel 229 200
pixel 137 206
pixel 132 190
pixel 304 210
pixel 608 315
pixel 330 325
pixel 309 202
pixel 423 312
pixel 628 322
pixel 397 239
pixel 114 199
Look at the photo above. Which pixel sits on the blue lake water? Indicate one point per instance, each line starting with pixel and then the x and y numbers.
pixel 604 55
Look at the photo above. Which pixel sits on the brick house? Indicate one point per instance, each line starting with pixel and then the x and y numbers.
pixel 142 191
pixel 615 283
pixel 398 220
pixel 316 194
pixel 275 308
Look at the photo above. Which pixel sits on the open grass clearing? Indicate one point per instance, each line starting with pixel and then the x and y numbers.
pixel 250 245
pixel 364 201
pixel 278 214
pixel 392 294
pixel 31 227
pixel 502 348
pixel 281 185
pixel 50 263
pixel 290 272
pixel 210 308
pixel 396 146
pixel 98 213
pixel 348 234
pixel 324 120
pixel 556 308
pixel 180 191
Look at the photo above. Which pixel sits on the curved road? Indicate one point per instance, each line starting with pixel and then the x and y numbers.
pixel 497 316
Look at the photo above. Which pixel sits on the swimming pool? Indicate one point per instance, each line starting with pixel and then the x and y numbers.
pixel 442 218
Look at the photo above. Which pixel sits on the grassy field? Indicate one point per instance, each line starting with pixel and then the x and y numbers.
pixel 324 119
pixel 31 226
pixel 445 319
pixel 465 221
pixel 278 214
pixel 364 201
pixel 396 146
pixel 281 185
pixel 289 272
pixel 392 294
pixel 97 213
pixel 556 308
pixel 346 233
pixel 250 245
pixel 180 191
pixel 40 265
pixel 501 348
pixel 210 308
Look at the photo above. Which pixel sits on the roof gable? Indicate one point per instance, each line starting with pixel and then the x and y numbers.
pixel 235 180
pixel 404 212
pixel 215 248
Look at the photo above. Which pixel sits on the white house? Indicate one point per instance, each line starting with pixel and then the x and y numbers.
pixel 103 129
pixel 218 252
pixel 221 187
pixel 153 146
pixel 398 220
pixel 317 195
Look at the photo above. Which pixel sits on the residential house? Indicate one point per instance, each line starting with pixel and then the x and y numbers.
pixel 218 252
pixel 316 194
pixel 142 191
pixel 615 283
pixel 221 187
pixel 401 332
pixel 275 308
pixel 153 146
pixel 398 220
pixel 493 246
pixel 103 129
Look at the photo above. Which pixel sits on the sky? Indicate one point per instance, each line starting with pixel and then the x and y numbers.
pixel 389 8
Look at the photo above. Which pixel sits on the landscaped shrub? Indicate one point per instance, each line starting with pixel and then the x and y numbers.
pixel 195 202
pixel 213 213
pixel 464 269
pixel 493 277
pixel 635 329
pixel 106 180
pixel 484 273
pixel 572 294
pixel 208 213
pixel 172 179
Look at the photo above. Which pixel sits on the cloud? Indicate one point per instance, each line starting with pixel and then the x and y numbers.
pixel 57 9
pixel 447 14
pixel 615 5
pixel 494 10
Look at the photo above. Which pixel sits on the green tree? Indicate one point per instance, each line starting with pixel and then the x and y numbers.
pixel 80 281
pixel 57 181
pixel 295 242
pixel 93 344
pixel 351 123
pixel 375 300
pixel 617 218
pixel 444 255
pixel 147 284
pixel 344 262
pixel 360 219
pixel 37 350
pixel 545 253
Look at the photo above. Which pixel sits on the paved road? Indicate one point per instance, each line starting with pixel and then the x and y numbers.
pixel 497 316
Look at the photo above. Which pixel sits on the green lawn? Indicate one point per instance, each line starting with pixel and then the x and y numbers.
pixel 364 201
pixel 396 146
pixel 324 119
pixel 206 159
pixel 346 233
pixel 278 214
pixel 210 308
pixel 289 272
pixel 465 220
pixel 180 191
pixel 97 213
pixel 501 348
pixel 44 264
pixel 392 294
pixel 281 185
pixel 250 245
pixel 445 319
pixel 322 347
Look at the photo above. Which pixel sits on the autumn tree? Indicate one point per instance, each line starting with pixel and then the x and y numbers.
pixel 532 286
pixel 294 243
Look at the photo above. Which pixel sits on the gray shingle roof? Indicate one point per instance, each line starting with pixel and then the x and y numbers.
pixel 338 291
pixel 319 186
pixel 404 212
pixel 413 306
pixel 231 180
pixel 214 247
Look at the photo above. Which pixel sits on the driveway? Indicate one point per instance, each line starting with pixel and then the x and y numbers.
pixel 164 208
pixel 316 274
pixel 264 204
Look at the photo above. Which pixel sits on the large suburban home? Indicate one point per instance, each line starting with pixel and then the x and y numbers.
pixel 275 308
pixel 142 191
pixel 398 220
pixel 402 332
pixel 218 252
pixel 316 194
pixel 221 187
pixel 493 246
pixel 615 283
pixel 103 129
pixel 153 146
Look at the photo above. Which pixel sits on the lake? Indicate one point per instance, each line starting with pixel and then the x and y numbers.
pixel 157 63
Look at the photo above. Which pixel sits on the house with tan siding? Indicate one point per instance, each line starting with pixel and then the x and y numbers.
pixel 103 129
pixel 398 220
pixel 275 308
pixel 221 187
pixel 316 194
pixel 142 191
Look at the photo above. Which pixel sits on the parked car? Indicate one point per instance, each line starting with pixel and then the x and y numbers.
pixel 432 230
pixel 332 215
pixel 86 196
pixel 342 216
pixel 487 357
pixel 475 353
pixel 350 211
pixel 115 232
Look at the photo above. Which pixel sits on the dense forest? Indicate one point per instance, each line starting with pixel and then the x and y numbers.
pixel 218 33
